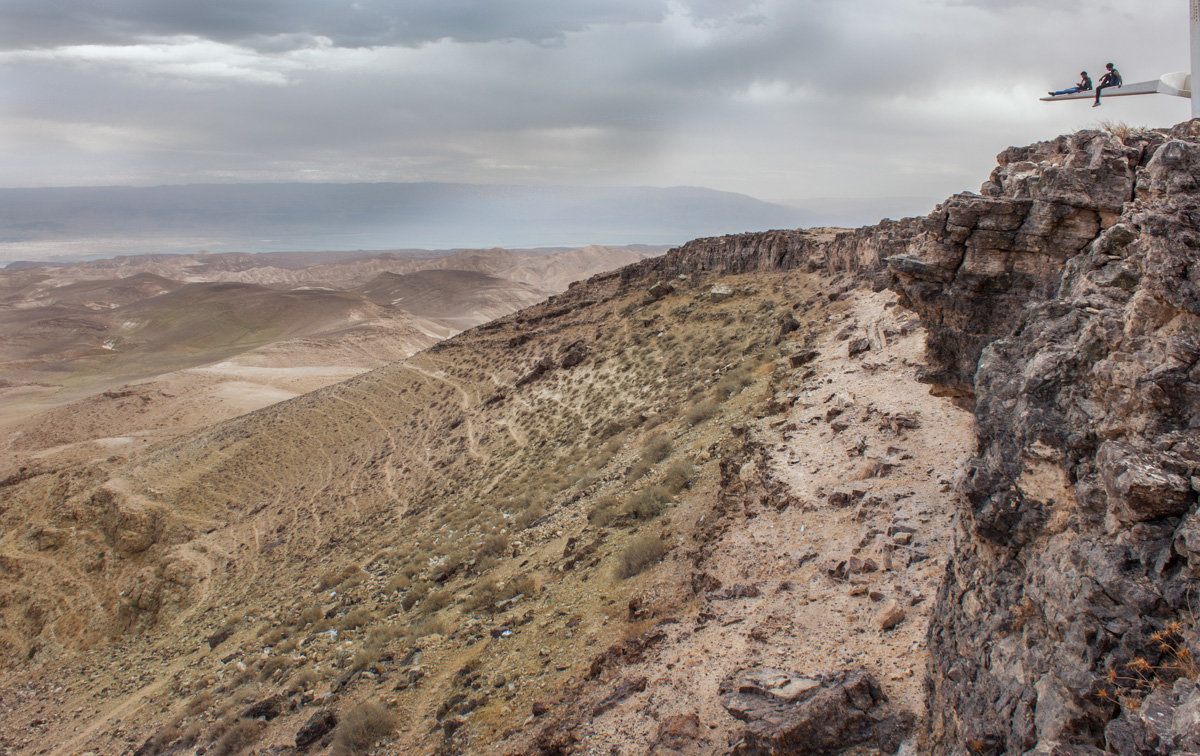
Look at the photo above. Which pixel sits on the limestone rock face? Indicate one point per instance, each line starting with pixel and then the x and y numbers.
pixel 1072 586
pixel 978 259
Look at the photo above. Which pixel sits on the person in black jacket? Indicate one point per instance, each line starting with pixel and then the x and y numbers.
pixel 1084 85
pixel 1110 79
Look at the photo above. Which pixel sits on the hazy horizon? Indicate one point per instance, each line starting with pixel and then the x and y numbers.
pixel 767 98
pixel 77 222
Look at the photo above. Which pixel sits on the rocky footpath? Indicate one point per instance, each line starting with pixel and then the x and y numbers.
pixel 1062 303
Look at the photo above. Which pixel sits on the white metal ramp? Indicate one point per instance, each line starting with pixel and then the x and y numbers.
pixel 1177 84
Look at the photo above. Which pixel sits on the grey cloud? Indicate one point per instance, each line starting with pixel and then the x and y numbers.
pixel 776 98
pixel 49 23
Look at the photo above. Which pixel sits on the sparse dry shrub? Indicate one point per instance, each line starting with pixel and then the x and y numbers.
pixel 365 656
pixel 587 476
pixel 678 475
pixel 646 504
pixel 308 676
pixel 483 594
pixel 273 665
pixel 245 675
pixel 363 726
pixel 531 515
pixel 328 580
pixel 321 626
pixel 732 383
pixel 1122 130
pixel 524 585
pixel 610 430
pixel 638 471
pixel 701 411
pixel 438 600
pixel 496 544
pixel 189 735
pixel 451 564
pixel 604 511
pixel 1129 684
pixel 237 736
pixel 656 449
pixel 355 618
pixel 414 595
pixel 398 582
pixel 381 635
pixel 642 552
pixel 655 420
pixel 308 616
pixel 161 739
pixel 428 626
pixel 199 703
pixel 349 576
pixel 271 635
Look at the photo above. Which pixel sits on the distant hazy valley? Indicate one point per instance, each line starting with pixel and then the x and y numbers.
pixel 137 347
pixel 77 222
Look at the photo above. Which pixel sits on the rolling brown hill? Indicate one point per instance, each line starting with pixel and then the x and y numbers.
pixel 205 337
pixel 502 540
pixel 923 487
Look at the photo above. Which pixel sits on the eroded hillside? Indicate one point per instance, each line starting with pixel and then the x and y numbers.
pixel 720 501
pixel 568 526
pixel 114 354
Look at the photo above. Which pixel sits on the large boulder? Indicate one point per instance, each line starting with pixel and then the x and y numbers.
pixel 790 713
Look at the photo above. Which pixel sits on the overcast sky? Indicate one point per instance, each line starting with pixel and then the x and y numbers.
pixel 779 99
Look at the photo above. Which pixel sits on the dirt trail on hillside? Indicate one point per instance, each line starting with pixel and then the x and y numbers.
pixel 865 455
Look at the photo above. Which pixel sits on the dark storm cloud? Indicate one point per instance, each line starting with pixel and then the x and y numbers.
pixel 50 23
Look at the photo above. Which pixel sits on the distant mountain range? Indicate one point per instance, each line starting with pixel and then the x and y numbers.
pixel 70 223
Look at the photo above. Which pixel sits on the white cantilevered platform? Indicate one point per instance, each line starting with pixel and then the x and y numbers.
pixel 1175 84
pixel 1178 84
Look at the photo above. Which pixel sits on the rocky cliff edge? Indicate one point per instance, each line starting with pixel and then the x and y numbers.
pixel 1063 304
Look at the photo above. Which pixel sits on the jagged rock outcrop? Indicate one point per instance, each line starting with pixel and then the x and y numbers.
pixel 1070 598
pixel 860 251
pixel 977 260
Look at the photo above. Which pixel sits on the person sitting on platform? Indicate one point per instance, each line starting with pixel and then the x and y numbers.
pixel 1084 85
pixel 1110 79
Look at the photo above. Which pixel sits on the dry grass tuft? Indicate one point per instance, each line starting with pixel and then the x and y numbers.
pixel 362 727
pixel 1122 130
pixel 641 553
pixel 701 411
pixel 237 737
pixel 678 475
pixel 647 503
